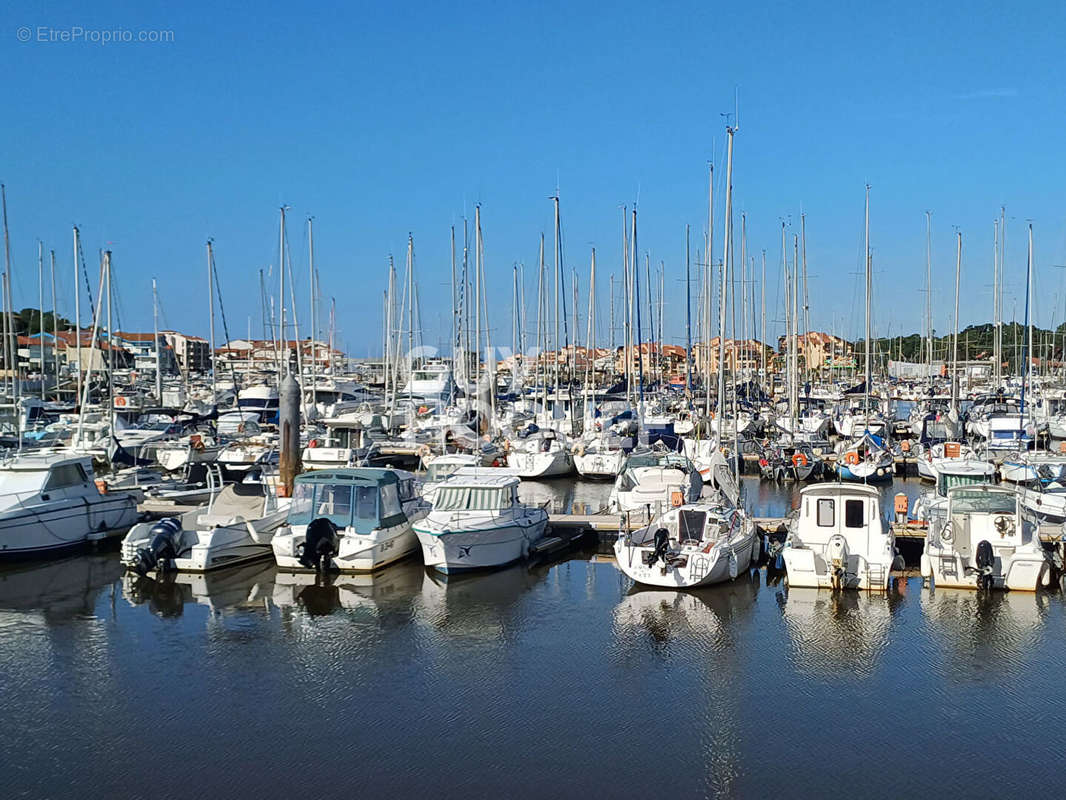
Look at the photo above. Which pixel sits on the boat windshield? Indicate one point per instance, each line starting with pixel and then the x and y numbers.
pixel 948 481
pixel 657 460
pixel 472 498
pixel 438 472
pixel 344 505
pixel 983 503
pixel 937 430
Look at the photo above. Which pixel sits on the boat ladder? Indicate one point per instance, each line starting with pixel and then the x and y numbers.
pixel 697 567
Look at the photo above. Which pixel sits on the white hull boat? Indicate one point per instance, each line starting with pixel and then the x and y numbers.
pixel 693 545
pixel 478 522
pixel 350 520
pixel 50 502
pixel 839 540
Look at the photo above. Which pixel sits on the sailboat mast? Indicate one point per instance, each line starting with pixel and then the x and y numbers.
pixel 558 269
pixel 211 315
pixel 869 281
pixel 708 289
pixel 929 293
pixel 40 309
pixel 762 322
pixel 55 326
pixel 284 351
pixel 688 316
pixel 997 357
pixel 955 332
pixel 158 353
pixel 77 313
pixel 314 321
pixel 725 270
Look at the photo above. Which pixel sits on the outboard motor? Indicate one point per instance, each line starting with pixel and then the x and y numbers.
pixel 320 544
pixel 985 560
pixel 162 547
pixel 837 558
pixel 661 542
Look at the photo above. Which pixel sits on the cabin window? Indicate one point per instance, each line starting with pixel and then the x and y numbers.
pixel 335 502
pixel 65 475
pixel 390 500
pixel 826 513
pixel 300 508
pixel 853 514
pixel 366 502
pixel 406 490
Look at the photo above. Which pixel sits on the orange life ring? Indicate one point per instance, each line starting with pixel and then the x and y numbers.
pixel 905 445
pixel 851 457
pixel 799 460
pixel 120 401
pixel 313 443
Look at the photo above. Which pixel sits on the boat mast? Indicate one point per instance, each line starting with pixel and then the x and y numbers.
pixel 5 289
pixel 77 312
pixel 725 269
pixel 211 314
pixel 40 310
pixel 929 294
pixel 55 326
pixel 558 269
pixel 314 319
pixel 955 332
pixel 284 345
pixel 688 317
pixel 158 355
pixel 869 281
pixel 762 323
pixel 708 289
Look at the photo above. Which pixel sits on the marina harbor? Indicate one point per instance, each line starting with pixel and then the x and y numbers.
pixel 523 400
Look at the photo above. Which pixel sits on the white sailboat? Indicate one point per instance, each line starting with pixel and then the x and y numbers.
pixel 689 546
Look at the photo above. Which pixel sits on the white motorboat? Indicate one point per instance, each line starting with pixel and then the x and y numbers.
pixel 982 541
pixel 934 458
pixel 1033 467
pixel 50 502
pixel 839 540
pixel 478 522
pixel 689 546
pixel 655 478
pixel 543 454
pixel 234 528
pixel 350 520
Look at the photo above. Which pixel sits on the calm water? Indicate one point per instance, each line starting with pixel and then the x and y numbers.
pixel 556 681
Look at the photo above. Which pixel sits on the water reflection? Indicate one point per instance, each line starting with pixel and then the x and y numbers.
pixel 838 633
pixel 167 595
pixel 57 590
pixel 320 595
pixel 477 606
pixel 664 615
pixel 985 633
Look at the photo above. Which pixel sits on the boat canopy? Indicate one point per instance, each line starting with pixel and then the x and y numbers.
pixel 363 499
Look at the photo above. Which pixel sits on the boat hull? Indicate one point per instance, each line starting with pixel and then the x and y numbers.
pixel 452 551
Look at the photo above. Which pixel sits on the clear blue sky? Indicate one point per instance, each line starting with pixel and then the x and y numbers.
pixel 384 119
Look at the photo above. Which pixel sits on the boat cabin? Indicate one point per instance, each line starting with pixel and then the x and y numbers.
pixel 362 500
pixel 836 509
pixel 983 513
pixel 52 476
pixel 470 490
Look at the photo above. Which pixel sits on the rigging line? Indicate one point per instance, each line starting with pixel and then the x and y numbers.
pixel 222 313
pixel 88 287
